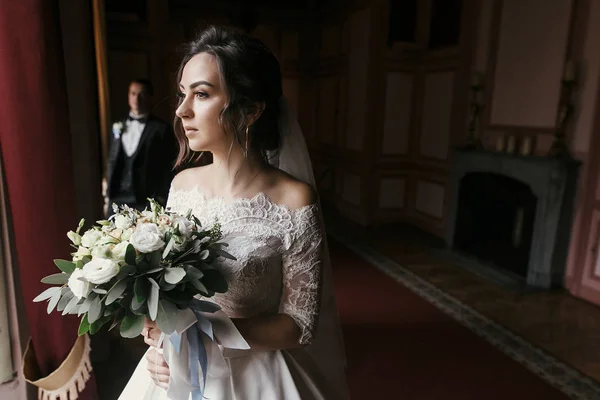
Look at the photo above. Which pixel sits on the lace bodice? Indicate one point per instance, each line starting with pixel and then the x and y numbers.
pixel 278 251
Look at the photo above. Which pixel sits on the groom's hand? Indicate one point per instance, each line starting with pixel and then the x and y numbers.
pixel 158 368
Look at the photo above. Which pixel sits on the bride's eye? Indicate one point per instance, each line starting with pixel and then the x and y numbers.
pixel 181 95
pixel 201 95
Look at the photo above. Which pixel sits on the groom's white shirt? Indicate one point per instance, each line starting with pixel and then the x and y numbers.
pixel 132 135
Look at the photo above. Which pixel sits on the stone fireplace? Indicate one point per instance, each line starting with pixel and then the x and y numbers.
pixel 513 213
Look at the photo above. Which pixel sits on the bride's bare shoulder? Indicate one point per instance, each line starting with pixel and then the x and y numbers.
pixel 292 193
pixel 189 178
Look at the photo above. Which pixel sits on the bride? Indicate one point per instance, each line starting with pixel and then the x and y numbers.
pixel 280 297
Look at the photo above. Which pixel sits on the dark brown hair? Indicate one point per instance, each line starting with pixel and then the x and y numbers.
pixel 251 75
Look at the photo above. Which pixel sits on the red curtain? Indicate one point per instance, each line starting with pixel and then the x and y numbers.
pixel 36 151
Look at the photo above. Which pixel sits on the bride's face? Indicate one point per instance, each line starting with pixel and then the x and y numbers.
pixel 202 99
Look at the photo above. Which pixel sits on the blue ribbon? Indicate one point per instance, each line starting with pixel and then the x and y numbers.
pixel 197 353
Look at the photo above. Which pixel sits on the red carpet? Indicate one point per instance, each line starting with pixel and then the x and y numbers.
pixel 401 347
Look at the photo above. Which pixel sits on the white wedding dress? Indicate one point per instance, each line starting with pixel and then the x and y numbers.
pixel 280 268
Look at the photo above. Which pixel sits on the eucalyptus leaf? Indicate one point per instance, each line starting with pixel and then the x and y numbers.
pixel 141 289
pixel 153 299
pixel 56 279
pixel 46 294
pixel 71 306
pixel 53 301
pixel 224 254
pixel 204 254
pixel 84 326
pixel 99 290
pixel 166 317
pixel 65 266
pixel 126 270
pixel 198 285
pixel 64 301
pixel 193 272
pixel 214 281
pixel 85 307
pixel 137 305
pixel 153 270
pixel 132 326
pixel 130 255
pixel 168 248
pixel 164 285
pixel 95 310
pixel 174 275
pixel 116 291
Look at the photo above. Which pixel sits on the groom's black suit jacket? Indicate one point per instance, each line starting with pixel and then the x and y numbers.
pixel 152 164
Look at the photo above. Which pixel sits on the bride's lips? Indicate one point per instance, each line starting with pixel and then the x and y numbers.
pixel 189 130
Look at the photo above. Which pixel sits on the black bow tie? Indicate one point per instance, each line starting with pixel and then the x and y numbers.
pixel 141 120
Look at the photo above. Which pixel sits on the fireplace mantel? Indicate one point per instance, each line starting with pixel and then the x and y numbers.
pixel 553 181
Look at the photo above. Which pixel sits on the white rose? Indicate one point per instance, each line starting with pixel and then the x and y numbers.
pixel 75 238
pixel 100 270
pixel 118 253
pixel 122 222
pixel 185 226
pixel 147 238
pixel 80 253
pixel 79 287
pixel 90 238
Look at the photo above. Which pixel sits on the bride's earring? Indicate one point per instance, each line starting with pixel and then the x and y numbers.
pixel 246 151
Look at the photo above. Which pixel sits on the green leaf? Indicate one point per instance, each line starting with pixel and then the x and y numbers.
pixel 84 326
pixel 56 279
pixel 126 270
pixel 141 289
pixel 153 270
pixel 65 266
pixel 130 255
pixel 174 275
pixel 166 317
pixel 95 310
pixel 132 326
pixel 64 301
pixel 116 291
pixel 99 290
pixel 46 294
pixel 72 306
pixel 54 301
pixel 95 327
pixel 204 254
pixel 154 259
pixel 153 299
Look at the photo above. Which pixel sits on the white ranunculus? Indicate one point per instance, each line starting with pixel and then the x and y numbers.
pixel 80 253
pixel 75 238
pixel 163 219
pixel 185 226
pixel 118 252
pixel 126 235
pixel 101 251
pixel 122 222
pixel 147 238
pixel 90 238
pixel 100 270
pixel 78 285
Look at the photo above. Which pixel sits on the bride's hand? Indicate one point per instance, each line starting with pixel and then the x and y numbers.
pixel 157 366
pixel 151 333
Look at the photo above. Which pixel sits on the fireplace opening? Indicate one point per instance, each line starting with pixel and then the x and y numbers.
pixel 494 220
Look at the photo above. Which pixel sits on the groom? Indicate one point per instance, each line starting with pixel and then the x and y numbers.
pixel 142 153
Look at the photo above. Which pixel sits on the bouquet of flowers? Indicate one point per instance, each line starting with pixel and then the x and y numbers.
pixel 136 265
